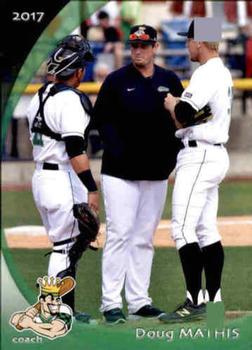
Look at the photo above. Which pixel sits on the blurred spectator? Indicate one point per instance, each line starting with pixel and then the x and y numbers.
pixel 245 38
pixel 242 62
pixel 130 15
pixel 191 8
pixel 112 9
pixel 111 34
pixel 18 115
pixel 85 26
pixel 176 7
pixel 101 70
pixel 248 49
pixel 112 38
pixel 198 9
pixel 238 11
pixel 91 24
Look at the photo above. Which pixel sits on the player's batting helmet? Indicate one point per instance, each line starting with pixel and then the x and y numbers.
pixel 72 52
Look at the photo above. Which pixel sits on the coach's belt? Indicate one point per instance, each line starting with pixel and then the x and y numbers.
pixel 50 166
pixel 193 143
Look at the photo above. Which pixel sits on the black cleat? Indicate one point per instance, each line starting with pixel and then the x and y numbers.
pixel 114 316
pixel 147 311
pixel 82 317
pixel 185 312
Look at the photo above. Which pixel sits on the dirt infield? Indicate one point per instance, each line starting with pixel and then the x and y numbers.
pixel 235 231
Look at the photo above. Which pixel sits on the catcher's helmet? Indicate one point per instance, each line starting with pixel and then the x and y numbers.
pixel 72 52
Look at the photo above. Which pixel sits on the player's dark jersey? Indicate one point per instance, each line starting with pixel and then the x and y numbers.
pixel 136 130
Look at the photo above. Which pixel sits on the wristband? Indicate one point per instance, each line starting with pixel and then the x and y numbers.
pixel 88 181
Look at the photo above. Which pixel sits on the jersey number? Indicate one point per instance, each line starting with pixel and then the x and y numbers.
pixel 37 139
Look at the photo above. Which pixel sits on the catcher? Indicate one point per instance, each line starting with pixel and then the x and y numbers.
pixel 59 118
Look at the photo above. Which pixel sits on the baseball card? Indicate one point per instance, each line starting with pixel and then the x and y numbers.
pixel 126 175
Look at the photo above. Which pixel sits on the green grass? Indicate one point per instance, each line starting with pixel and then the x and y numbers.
pixel 167 283
pixel 18 207
pixel 235 199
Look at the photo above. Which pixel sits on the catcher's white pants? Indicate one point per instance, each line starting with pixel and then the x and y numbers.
pixel 199 171
pixel 55 192
pixel 133 211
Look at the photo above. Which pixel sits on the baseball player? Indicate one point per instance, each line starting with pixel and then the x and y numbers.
pixel 136 133
pixel 202 116
pixel 59 117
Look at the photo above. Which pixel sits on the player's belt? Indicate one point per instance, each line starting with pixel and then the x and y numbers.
pixel 50 166
pixel 66 241
pixel 193 143
pixel 61 251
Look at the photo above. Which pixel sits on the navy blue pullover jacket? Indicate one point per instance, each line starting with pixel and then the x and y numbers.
pixel 137 132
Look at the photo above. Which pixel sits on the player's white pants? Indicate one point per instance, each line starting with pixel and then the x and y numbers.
pixel 59 262
pixel 133 211
pixel 55 192
pixel 199 172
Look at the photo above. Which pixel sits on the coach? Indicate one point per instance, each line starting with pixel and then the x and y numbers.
pixel 140 152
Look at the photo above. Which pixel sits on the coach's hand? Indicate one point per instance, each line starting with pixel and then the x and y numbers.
pixel 93 201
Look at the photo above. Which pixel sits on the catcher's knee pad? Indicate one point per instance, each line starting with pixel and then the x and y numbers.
pixel 81 244
pixel 69 298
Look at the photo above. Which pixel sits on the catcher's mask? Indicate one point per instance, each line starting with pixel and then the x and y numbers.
pixel 72 52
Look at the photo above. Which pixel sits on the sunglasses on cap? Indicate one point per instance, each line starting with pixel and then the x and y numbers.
pixel 139 36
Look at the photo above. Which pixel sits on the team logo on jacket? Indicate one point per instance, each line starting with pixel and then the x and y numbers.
pixel 163 89
pixel 49 317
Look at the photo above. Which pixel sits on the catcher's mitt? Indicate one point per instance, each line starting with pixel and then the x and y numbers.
pixel 89 224
pixel 88 220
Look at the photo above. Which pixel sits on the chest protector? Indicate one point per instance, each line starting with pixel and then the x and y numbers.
pixel 39 124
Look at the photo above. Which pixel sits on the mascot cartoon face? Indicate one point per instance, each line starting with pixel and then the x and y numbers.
pixel 49 317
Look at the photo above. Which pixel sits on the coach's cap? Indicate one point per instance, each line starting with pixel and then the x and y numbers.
pixel 142 34
pixel 204 29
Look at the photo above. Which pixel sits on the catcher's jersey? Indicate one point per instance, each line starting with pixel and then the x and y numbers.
pixel 211 84
pixel 64 115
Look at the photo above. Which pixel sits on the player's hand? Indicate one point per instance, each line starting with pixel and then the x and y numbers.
pixel 170 102
pixel 93 201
